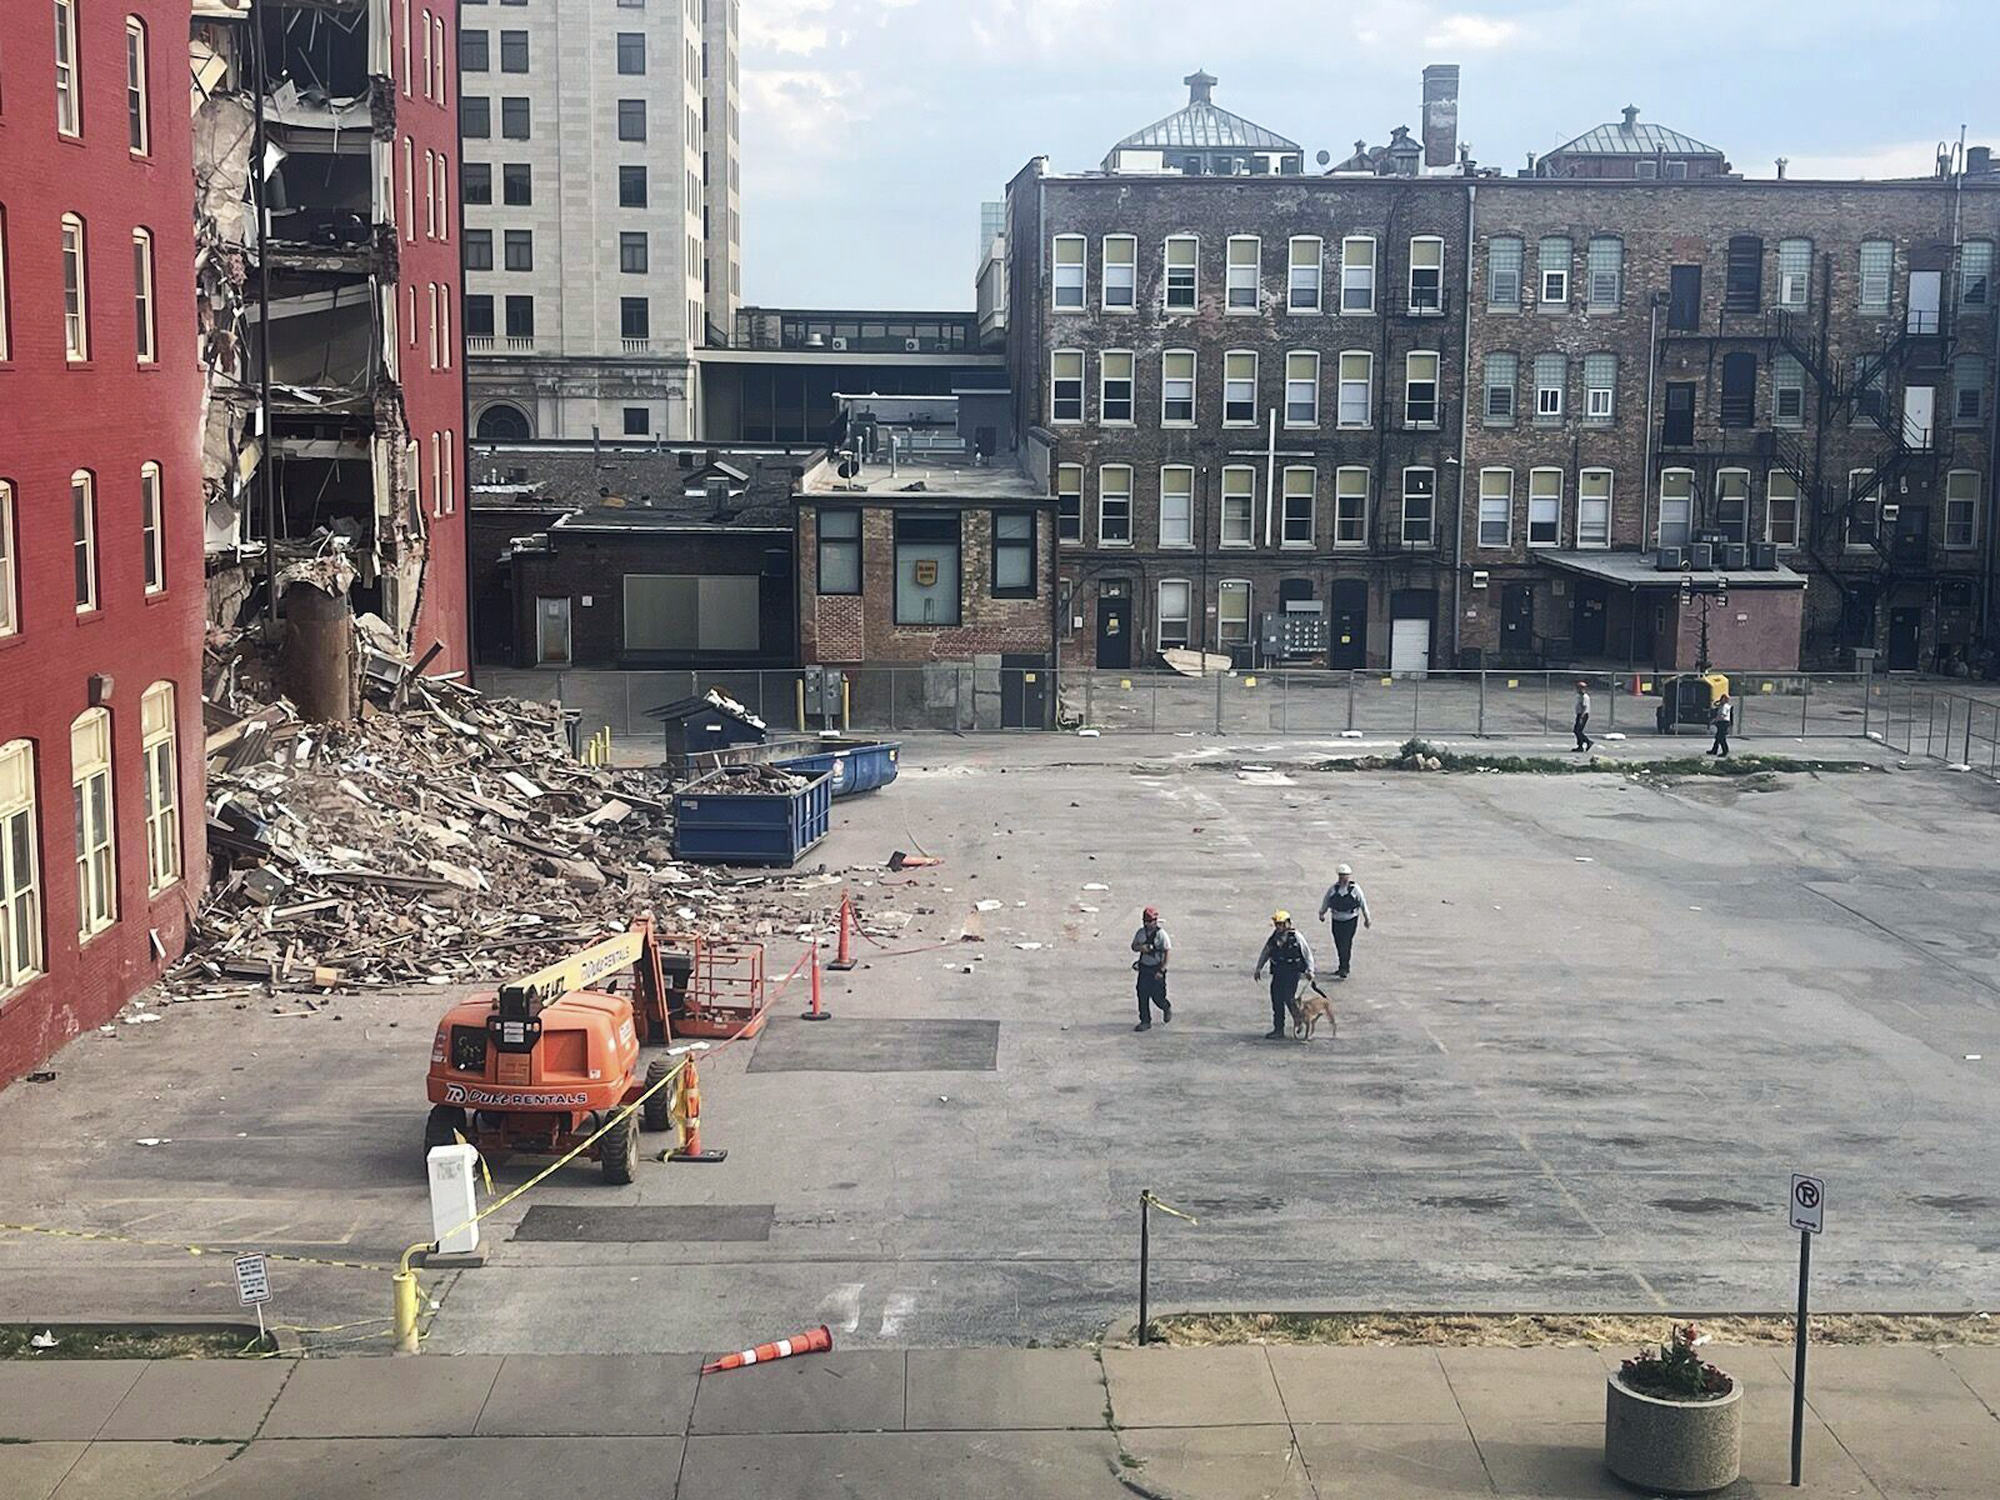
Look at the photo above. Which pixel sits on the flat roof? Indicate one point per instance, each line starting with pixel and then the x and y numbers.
pixel 830 356
pixel 940 478
pixel 1638 570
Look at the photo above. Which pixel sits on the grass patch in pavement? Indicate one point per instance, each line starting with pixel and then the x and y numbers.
pixel 1422 755
pixel 125 1343
pixel 1542 1330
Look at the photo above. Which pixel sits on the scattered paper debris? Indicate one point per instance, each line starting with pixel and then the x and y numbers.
pixel 46 1339
pixel 1028 947
pixel 989 904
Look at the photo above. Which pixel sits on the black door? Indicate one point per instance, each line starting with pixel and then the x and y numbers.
pixel 1517 621
pixel 1023 692
pixel 1587 627
pixel 1347 644
pixel 1905 626
pixel 1114 632
pixel 1679 430
pixel 1684 299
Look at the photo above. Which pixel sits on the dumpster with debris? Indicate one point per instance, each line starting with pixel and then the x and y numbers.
pixel 751 815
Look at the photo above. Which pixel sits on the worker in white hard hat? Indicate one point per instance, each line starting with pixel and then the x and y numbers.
pixel 1345 907
pixel 1291 960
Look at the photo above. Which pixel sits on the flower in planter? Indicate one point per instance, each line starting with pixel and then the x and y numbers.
pixel 1674 1372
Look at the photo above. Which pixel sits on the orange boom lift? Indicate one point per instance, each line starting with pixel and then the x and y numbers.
pixel 542 1063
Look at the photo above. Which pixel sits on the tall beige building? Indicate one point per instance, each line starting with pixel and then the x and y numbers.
pixel 602 211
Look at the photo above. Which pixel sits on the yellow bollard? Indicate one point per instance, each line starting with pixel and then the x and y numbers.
pixel 406 1311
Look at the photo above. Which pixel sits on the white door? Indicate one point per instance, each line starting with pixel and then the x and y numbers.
pixel 552 632
pixel 1925 289
pixel 1919 415
pixel 1409 647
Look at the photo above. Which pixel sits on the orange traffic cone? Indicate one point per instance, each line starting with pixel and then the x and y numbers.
pixel 843 958
pixel 690 1120
pixel 817 1342
pixel 814 1011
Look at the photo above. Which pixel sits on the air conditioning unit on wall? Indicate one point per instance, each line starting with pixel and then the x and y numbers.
pixel 913 346
pixel 839 342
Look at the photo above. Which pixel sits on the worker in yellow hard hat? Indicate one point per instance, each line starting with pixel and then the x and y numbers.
pixel 1290 960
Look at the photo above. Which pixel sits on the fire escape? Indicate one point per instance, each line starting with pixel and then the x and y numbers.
pixel 1867 397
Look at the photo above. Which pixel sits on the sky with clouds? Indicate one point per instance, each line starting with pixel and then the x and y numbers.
pixel 872 129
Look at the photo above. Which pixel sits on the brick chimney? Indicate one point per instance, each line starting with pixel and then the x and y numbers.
pixel 1440 114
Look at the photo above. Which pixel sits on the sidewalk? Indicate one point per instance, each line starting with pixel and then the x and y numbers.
pixel 1886 1423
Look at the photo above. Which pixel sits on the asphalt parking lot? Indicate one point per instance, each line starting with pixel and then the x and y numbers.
pixel 1595 1026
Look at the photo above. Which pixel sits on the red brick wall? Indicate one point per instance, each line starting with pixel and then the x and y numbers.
pixel 863 628
pixel 108 415
pixel 1759 631
pixel 433 399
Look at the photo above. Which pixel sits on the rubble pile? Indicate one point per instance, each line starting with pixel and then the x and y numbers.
pixel 746 780
pixel 443 837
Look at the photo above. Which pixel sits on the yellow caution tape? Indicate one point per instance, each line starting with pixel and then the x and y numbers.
pixel 1168 1208
pixel 126 1239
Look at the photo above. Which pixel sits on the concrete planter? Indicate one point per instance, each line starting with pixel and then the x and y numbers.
pixel 1673 1447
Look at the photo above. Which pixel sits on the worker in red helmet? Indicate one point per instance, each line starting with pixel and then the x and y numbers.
pixel 1153 946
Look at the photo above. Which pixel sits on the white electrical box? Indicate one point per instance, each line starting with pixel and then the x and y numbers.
pixel 452 1205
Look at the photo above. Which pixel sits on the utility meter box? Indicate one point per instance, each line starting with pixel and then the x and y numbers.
pixel 453 1170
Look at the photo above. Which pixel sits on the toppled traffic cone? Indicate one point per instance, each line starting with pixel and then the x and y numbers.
pixel 901 861
pixel 819 1341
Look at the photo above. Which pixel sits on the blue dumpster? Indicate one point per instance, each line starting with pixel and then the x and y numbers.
pixel 717 827
pixel 854 767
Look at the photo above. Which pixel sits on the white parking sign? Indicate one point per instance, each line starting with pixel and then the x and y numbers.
pixel 253 1281
pixel 1808 1203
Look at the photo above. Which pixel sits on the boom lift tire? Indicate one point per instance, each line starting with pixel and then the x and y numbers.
pixel 620 1150
pixel 443 1128
pixel 657 1112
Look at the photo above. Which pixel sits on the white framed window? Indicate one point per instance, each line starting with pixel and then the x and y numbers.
pixel 1502 370
pixel 1350 506
pixel 1975 273
pixel 69 98
pixel 450 459
pixel 1303 273
pixel 1243 271
pixel 83 538
pixel 1676 507
pixel 1794 273
pixel 1295 519
pixel 10 594
pixel 1177 388
pixel 1551 376
pixel 1503 273
pixel 1357 379
pixel 409 192
pixel 1069 502
pixel 1961 508
pixel 1176 609
pixel 1357 274
pixel 1496 507
pixel 1302 388
pixel 1427 274
pixel 430 196
pixel 1232 612
pixel 138 121
pixel 1864 509
pixel 158 748
pixel 437 473
pixel 1604 273
pixel 1732 504
pixel 1183 256
pixel 1878 265
pixel 1593 508
pixel 96 848
pixel 1121 273
pixel 1545 507
pixel 1600 387
pixel 409 71
pixel 1781 509
pixel 20 868
pixel 1114 387
pixel 1420 388
pixel 1239 506
pixel 1239 388
pixel 1788 391
pixel 1066 385
pixel 1114 505
pixel 1071 253
pixel 1419 508
pixel 76 290
pixel 144 323
pixel 441 169
pixel 152 532
pixel 1552 260
pixel 1177 505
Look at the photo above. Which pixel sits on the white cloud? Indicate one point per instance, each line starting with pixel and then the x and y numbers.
pixel 1471 33
pixel 793 27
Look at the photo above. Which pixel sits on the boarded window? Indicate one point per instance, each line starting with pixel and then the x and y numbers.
pixel 666 612
pixel 1743 291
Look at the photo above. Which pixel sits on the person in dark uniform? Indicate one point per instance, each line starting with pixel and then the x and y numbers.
pixel 1345 907
pixel 1290 960
pixel 1154 947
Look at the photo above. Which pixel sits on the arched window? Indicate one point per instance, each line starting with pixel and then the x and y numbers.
pixel 20 868
pixel 163 818
pixel 501 423
pixel 76 312
pixel 96 850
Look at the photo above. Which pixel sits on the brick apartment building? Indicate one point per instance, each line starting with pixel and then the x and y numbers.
pixel 100 516
pixel 1459 415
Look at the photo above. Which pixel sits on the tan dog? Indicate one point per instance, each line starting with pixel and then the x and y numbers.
pixel 1309 1014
